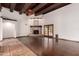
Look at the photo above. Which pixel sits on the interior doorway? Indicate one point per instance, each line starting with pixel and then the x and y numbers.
pixel 9 29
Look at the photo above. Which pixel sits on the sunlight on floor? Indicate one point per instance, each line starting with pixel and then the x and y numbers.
pixel 13 47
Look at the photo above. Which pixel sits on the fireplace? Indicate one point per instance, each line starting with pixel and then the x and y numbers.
pixel 35 31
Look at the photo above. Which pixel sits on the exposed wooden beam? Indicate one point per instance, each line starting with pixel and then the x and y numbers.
pixel 25 7
pixel 59 6
pixel 0 7
pixel 52 7
pixel 4 18
pixel 12 6
pixel 39 6
pixel 46 9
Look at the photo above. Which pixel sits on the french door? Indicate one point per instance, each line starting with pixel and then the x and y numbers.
pixel 49 30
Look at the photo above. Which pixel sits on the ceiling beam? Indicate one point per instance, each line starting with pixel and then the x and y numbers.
pixel 59 6
pixel 4 18
pixel 0 7
pixel 12 6
pixel 25 7
pixel 39 6
pixel 52 7
pixel 46 9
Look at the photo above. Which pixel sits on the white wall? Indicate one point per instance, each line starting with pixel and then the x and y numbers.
pixel 66 21
pixel 21 25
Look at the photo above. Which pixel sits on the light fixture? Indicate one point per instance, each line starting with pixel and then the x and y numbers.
pixel 30 12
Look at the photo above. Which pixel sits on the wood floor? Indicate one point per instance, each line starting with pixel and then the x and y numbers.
pixel 62 48
pixel 31 46
pixel 13 47
pixel 34 43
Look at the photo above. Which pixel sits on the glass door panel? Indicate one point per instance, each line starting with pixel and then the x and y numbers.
pixel 46 31
pixel 50 30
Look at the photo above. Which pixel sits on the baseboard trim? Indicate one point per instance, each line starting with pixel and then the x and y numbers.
pixel 68 40
pixel 21 36
pixel 9 38
pixel 62 39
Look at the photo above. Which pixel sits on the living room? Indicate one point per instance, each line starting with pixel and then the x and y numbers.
pixel 42 28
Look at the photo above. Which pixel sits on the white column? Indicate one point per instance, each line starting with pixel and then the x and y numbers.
pixel 1 28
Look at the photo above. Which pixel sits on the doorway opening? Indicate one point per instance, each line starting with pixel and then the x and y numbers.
pixel 9 29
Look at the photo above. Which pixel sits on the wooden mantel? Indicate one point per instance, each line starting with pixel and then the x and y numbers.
pixel 36 26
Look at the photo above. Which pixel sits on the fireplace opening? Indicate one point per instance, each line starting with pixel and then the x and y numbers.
pixel 36 32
